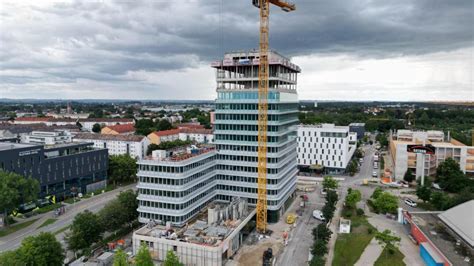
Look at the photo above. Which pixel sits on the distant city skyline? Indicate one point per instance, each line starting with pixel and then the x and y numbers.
pixel 348 50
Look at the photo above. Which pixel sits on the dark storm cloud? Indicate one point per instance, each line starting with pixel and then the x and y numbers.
pixel 104 40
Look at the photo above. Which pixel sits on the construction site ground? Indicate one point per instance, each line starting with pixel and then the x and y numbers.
pixel 252 251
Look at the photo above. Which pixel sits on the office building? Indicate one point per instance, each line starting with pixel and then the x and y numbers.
pixel 58 168
pixel 358 128
pixel 425 164
pixel 174 185
pixel 47 137
pixel 326 145
pixel 133 145
pixel 236 128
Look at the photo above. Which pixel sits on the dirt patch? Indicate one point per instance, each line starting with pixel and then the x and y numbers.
pixel 252 255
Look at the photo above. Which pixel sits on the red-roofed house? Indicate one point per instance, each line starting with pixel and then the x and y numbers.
pixel 158 137
pixel 125 129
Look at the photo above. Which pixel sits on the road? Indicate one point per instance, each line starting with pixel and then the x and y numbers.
pixel 93 204
pixel 301 238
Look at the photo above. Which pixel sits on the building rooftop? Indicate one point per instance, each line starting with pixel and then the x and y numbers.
pixel 92 136
pixel 181 153
pixel 123 128
pixel 325 126
pixel 166 132
pixel 10 146
pixel 209 228
pixel 461 220
pixel 357 124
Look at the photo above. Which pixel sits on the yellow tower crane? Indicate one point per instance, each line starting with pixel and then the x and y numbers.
pixel 264 6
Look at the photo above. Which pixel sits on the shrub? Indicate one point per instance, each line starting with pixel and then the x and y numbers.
pixel 360 212
pixel 370 230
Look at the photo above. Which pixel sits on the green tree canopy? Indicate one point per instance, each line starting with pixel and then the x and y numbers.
pixel 86 229
pixel 143 257
pixel 120 258
pixel 353 198
pixel 409 176
pixel 164 124
pixel 387 238
pixel 144 127
pixel 96 128
pixel 122 168
pixel 423 193
pixel 450 177
pixel 15 190
pixel 330 183
pixel 319 248
pixel 386 203
pixel 171 259
pixel 322 232
pixel 129 202
pixel 43 249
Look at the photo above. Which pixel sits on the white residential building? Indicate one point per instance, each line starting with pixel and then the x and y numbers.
pixel 135 146
pixel 199 135
pixel 326 145
pixel 47 137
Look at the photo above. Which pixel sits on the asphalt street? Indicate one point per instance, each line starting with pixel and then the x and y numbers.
pixel 93 204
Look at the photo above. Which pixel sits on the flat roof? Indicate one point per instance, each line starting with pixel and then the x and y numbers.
pixel 461 220
pixel 10 146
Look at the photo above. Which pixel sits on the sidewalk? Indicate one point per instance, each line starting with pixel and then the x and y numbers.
pixel 371 254
pixel 334 226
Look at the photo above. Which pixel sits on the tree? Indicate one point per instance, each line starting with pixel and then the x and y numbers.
pixel 11 257
pixel 317 261
pixel 352 198
pixel 322 232
pixel 129 202
pixel 359 153
pixel 96 128
pixel 171 259
pixel 330 183
pixel 143 257
pixel 42 249
pixel 352 167
pixel 387 239
pixel 331 197
pixel 440 200
pixel 409 176
pixel 319 248
pixel 386 203
pixel 113 215
pixel 15 190
pixel 450 177
pixel 328 212
pixel 120 258
pixel 144 127
pixel 423 193
pixel 376 193
pixel 122 168
pixel 164 124
pixel 85 230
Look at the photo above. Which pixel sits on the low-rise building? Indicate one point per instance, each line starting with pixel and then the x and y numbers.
pixel 125 129
pixel 326 145
pixel 58 168
pixel 86 123
pixel 47 137
pixel 209 240
pixel 424 164
pixel 200 135
pixel 158 137
pixel 133 145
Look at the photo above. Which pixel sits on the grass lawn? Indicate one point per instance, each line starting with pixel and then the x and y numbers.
pixel 48 222
pixel 61 230
pixel 48 208
pixel 349 247
pixel 71 200
pixel 387 259
pixel 16 227
pixel 426 206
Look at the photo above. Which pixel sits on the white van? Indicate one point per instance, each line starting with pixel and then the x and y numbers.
pixel 318 215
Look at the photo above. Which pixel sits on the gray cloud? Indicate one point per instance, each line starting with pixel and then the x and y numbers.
pixel 103 41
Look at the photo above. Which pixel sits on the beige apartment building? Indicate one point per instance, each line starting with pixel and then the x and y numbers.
pixel 425 164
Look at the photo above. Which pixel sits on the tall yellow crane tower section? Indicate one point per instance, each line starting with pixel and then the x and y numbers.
pixel 263 69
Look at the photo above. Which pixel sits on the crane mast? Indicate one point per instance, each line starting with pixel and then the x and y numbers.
pixel 263 83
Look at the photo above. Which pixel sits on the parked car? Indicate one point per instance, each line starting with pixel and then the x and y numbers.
pixel 374 174
pixel 410 203
pixel 361 160
pixel 318 215
pixel 404 184
pixel 324 192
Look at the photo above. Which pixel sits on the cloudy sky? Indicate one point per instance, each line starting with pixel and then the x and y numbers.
pixel 156 49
